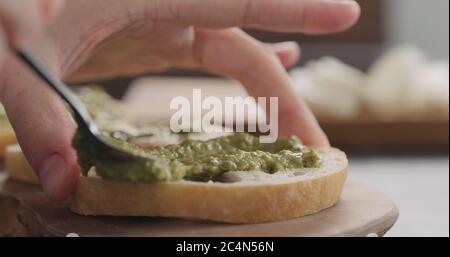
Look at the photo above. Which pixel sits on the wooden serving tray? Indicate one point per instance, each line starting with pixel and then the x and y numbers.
pixel 150 98
pixel 377 135
pixel 361 211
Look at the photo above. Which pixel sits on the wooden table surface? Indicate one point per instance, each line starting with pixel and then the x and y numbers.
pixel 360 211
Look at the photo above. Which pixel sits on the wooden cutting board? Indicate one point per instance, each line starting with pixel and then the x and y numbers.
pixel 361 211
pixel 150 98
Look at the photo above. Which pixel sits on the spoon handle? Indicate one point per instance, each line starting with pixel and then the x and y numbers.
pixel 85 124
pixel 80 112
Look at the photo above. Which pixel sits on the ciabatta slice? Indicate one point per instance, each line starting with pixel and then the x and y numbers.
pixel 239 197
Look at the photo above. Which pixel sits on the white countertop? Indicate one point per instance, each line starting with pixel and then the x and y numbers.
pixel 418 184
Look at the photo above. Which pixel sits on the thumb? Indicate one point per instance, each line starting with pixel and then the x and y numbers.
pixel 21 20
pixel 43 127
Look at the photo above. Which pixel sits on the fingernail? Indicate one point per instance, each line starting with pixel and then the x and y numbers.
pixel 347 2
pixel 351 3
pixel 53 173
pixel 287 45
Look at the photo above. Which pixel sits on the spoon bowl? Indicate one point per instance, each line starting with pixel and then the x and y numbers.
pixel 86 125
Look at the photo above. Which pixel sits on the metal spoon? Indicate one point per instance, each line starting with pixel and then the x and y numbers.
pixel 85 123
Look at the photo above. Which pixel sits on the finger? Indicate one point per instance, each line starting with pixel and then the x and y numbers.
pixel 43 127
pixel 287 52
pixel 308 16
pixel 23 19
pixel 3 46
pixel 233 53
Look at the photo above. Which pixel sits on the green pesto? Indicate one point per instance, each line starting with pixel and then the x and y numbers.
pixel 192 159
pixel 102 107
pixel 198 160
pixel 4 122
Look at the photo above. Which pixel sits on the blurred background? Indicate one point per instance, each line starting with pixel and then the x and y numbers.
pixel 381 86
pixel 381 93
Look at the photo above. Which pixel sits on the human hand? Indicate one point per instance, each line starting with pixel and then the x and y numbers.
pixel 101 39
pixel 21 20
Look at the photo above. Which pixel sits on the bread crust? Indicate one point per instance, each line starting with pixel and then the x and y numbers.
pixel 242 202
